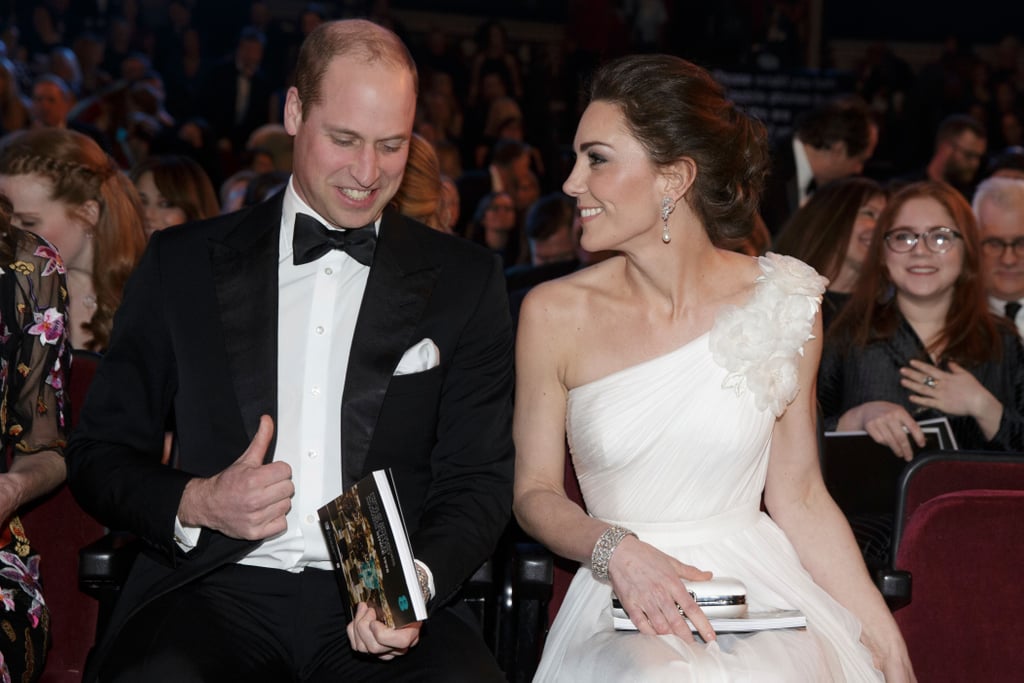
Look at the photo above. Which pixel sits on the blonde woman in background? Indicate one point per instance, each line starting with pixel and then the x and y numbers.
pixel 70 192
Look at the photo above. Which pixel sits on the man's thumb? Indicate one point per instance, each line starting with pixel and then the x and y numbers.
pixel 257 449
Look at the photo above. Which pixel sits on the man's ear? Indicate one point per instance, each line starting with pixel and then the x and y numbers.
pixel 292 111
pixel 678 178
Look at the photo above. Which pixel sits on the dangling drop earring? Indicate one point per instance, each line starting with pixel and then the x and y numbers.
pixel 666 209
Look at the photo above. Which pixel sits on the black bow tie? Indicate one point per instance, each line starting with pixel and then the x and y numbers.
pixel 312 240
pixel 1012 308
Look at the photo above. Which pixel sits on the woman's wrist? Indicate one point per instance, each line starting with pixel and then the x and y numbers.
pixel 603 549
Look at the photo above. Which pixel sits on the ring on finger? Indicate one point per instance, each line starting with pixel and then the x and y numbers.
pixel 929 381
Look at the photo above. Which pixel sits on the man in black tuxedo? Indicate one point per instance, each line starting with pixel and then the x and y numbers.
pixel 235 94
pixel 293 369
pixel 832 141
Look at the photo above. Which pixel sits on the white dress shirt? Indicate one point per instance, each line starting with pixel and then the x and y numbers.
pixel 317 307
pixel 804 174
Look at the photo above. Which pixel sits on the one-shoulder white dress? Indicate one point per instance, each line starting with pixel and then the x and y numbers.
pixel 676 449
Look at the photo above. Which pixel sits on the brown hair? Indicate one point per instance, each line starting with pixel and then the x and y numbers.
pixel 419 195
pixel 819 232
pixel 80 171
pixel 348 37
pixel 676 110
pixel 969 335
pixel 182 182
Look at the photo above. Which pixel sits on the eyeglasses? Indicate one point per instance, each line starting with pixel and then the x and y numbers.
pixel 939 239
pixel 993 246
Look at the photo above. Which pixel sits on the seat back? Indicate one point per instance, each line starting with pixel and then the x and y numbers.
pixel 932 474
pixel 964 550
pixel 57 528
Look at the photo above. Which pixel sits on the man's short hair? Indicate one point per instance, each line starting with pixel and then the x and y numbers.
pixel 955 125
pixel 347 37
pixel 1006 194
pixel 548 215
pixel 843 119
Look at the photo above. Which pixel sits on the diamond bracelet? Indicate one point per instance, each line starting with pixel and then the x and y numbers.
pixel 604 548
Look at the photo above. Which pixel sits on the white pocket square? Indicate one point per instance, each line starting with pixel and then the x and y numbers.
pixel 419 358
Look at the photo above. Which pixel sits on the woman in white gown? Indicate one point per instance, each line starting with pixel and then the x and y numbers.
pixel 683 375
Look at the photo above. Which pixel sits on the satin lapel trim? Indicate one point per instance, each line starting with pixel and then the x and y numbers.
pixel 245 278
pixel 396 295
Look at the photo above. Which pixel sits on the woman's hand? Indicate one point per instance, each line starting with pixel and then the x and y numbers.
pixel 649 585
pixel 888 424
pixel 954 392
pixel 890 656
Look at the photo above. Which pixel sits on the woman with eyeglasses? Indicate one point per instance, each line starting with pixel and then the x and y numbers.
pixel 494 225
pixel 917 339
pixel 832 233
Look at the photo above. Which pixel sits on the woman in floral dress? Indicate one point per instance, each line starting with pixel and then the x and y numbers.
pixel 34 357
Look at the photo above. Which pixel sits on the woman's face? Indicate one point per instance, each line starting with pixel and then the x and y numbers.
pixel 921 275
pixel 158 211
pixel 53 220
pixel 613 180
pixel 501 213
pixel 863 229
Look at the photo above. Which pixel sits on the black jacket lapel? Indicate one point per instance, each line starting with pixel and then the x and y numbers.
pixel 397 292
pixel 244 266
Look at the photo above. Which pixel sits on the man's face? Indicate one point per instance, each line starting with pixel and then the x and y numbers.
pixel 49 106
pixel 844 165
pixel 351 150
pixel 1002 268
pixel 965 154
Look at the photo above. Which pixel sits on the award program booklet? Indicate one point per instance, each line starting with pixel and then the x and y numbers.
pixel 370 550
pixel 751 621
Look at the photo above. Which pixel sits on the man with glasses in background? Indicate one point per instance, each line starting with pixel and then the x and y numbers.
pixel 999 206
pixel 960 145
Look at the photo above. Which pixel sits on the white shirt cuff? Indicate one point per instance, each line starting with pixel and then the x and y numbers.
pixel 187 537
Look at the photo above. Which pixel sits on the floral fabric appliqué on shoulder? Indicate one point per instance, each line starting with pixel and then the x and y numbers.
pixel 759 343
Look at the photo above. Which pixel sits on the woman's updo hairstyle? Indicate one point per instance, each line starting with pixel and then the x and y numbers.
pixel 676 110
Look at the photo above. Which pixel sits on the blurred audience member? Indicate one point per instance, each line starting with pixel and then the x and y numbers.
pixel 14 112
pixel 262 186
pixel 1007 164
pixel 173 190
pixel 832 233
pixel 233 189
pixel 960 145
pixel 273 138
pixel 832 141
pixel 235 95
pixel 999 207
pixel 509 164
pixel 493 57
pixel 494 226
pixel 553 241
pixel 70 192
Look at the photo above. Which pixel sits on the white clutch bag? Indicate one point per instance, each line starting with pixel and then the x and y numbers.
pixel 719 598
